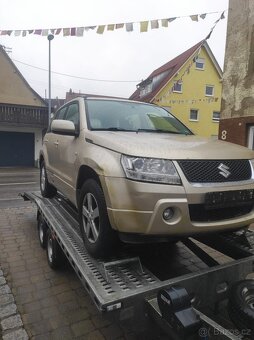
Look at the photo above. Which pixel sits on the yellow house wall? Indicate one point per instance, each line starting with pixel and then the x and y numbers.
pixel 193 97
pixel 13 89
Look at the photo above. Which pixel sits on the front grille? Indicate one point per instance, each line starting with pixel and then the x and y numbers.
pixel 198 213
pixel 207 171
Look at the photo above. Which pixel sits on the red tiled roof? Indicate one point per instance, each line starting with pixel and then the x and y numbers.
pixel 173 66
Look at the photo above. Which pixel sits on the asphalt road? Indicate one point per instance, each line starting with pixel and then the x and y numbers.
pixel 15 181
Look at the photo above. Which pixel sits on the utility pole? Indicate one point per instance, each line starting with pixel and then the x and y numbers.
pixel 50 37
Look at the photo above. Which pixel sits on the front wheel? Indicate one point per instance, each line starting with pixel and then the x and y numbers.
pixel 99 238
pixel 47 190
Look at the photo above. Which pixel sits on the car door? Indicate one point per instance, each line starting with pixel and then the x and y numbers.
pixel 68 153
pixel 50 145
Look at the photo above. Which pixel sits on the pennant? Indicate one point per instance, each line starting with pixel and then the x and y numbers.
pixel 111 27
pixel 23 33
pixel 171 19
pixel 66 32
pixel 209 33
pixel 144 26
pixel 100 29
pixel 222 15
pixel 17 33
pixel 45 32
pixel 119 26
pixel 58 31
pixel 6 32
pixel 80 31
pixel 52 31
pixel 73 31
pixel 194 17
pixel 154 24
pixel 30 31
pixel 164 22
pixel 90 28
pixel 202 16
pixel 129 27
pixel 38 32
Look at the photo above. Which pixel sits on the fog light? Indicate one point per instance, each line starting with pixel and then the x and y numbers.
pixel 168 214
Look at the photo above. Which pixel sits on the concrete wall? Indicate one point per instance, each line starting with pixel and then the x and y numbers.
pixel 238 79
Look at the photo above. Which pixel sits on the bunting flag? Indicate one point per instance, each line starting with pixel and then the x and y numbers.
pixel 100 29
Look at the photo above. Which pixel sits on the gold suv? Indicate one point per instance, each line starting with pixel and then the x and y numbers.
pixel 136 172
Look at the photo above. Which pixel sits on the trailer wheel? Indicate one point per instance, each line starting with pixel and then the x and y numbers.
pixel 241 305
pixel 42 231
pixel 55 255
pixel 99 238
pixel 47 190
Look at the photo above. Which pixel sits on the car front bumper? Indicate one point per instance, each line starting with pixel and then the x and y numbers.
pixel 137 207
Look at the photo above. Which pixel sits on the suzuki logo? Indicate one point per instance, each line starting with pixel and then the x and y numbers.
pixel 224 170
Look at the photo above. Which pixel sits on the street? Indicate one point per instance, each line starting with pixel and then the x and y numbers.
pixel 14 181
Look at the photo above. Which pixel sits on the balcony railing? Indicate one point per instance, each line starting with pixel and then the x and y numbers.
pixel 24 115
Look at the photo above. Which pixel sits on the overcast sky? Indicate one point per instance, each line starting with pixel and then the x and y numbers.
pixel 114 55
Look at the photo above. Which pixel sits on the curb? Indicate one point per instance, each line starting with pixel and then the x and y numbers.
pixel 11 325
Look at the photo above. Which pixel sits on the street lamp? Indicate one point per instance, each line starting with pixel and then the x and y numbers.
pixel 50 37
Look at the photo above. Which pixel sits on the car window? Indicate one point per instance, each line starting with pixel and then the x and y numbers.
pixel 73 114
pixel 60 114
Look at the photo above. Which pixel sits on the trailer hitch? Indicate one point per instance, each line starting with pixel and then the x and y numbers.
pixel 176 309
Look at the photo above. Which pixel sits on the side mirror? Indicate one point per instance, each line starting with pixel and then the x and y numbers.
pixel 63 127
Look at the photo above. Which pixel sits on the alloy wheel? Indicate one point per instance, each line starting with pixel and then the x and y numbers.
pixel 91 218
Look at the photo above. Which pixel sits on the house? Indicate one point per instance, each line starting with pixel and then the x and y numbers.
pixel 189 86
pixel 237 115
pixel 23 117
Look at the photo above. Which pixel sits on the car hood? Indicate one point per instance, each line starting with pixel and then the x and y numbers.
pixel 167 146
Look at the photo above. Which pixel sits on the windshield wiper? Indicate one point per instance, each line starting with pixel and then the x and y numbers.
pixel 110 129
pixel 159 130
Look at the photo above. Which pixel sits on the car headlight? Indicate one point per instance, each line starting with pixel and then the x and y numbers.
pixel 150 170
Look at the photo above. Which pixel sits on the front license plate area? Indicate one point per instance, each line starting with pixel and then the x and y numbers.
pixel 222 199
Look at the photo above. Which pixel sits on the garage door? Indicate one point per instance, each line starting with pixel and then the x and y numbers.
pixel 16 149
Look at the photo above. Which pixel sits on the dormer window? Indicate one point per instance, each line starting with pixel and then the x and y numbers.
pixel 145 90
pixel 200 64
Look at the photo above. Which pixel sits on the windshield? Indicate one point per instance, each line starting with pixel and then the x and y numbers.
pixel 130 116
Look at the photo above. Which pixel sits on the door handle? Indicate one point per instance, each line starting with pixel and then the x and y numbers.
pixel 45 140
pixel 56 143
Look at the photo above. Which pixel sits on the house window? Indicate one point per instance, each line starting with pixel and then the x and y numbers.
pixel 209 90
pixel 193 114
pixel 216 116
pixel 200 63
pixel 178 86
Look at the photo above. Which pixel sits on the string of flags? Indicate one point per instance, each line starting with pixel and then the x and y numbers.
pixel 144 26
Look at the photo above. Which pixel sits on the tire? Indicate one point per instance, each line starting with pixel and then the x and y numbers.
pixel 42 231
pixel 47 190
pixel 55 254
pixel 241 305
pixel 99 238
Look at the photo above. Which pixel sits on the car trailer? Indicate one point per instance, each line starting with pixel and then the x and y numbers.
pixel 190 306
